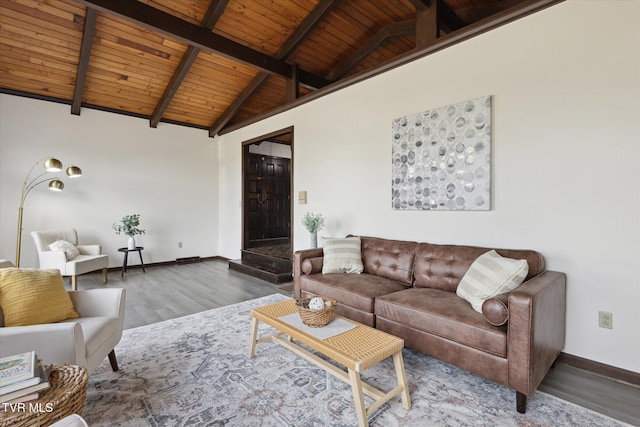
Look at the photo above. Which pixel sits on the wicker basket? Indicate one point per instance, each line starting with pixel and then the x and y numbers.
pixel 315 318
pixel 65 397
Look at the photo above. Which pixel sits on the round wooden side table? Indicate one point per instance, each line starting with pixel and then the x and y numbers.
pixel 64 397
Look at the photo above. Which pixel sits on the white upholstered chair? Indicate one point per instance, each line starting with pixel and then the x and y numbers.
pixel 90 257
pixel 84 341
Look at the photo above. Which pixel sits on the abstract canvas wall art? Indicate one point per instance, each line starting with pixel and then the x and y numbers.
pixel 441 158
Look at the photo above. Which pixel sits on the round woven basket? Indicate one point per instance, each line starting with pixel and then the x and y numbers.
pixel 65 397
pixel 315 318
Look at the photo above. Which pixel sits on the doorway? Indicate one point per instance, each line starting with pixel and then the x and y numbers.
pixel 267 184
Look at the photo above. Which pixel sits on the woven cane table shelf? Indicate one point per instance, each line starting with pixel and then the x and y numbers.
pixel 65 397
pixel 357 349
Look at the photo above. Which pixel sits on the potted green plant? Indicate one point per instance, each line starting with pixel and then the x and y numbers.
pixel 313 223
pixel 129 225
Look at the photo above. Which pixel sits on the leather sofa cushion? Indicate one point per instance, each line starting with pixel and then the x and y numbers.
pixel 443 266
pixel 444 314
pixel 355 290
pixel 392 259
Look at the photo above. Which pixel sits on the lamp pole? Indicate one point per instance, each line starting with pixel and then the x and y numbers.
pixel 51 165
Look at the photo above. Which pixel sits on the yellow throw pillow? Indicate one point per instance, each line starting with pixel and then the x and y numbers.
pixel 30 296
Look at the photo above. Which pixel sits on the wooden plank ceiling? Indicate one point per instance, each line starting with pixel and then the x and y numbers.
pixel 214 64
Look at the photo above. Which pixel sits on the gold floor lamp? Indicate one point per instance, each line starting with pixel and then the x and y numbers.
pixel 51 165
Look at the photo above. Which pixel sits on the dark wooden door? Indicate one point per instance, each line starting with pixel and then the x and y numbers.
pixel 268 197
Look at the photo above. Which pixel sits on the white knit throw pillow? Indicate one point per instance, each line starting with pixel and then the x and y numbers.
pixel 70 251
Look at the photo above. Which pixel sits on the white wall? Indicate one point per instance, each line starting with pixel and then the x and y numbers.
pixel 566 106
pixel 168 175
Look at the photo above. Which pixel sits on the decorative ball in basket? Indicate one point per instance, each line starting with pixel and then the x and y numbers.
pixel 316 311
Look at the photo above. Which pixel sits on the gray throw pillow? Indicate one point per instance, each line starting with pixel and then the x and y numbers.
pixel 342 255
pixel 491 275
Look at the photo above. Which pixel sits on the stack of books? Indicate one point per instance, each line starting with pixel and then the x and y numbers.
pixel 22 378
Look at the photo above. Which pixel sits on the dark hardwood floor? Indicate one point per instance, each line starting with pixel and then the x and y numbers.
pixel 170 291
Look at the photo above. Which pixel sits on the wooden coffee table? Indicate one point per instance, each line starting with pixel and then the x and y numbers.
pixel 357 349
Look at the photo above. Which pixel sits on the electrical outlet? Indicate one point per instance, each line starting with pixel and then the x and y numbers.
pixel 605 319
pixel 180 245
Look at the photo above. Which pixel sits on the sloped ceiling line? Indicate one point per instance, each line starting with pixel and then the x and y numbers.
pixel 395 29
pixel 209 21
pixel 469 31
pixel 299 34
pixel 62 51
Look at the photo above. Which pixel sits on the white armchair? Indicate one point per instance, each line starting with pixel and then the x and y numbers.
pixel 84 341
pixel 90 258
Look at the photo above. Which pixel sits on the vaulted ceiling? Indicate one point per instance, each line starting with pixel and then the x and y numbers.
pixel 220 64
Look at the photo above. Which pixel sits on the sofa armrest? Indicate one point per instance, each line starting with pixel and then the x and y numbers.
pixel 536 329
pixel 53 342
pixel 107 302
pixel 5 263
pixel 90 249
pixel 52 259
pixel 298 259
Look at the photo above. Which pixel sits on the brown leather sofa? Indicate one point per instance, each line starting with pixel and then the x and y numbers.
pixel 408 289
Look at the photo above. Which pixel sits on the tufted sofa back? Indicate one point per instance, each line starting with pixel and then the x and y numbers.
pixel 425 265
pixel 442 266
pixel 392 259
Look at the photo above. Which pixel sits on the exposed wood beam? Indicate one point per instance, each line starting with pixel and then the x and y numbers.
pixel 422 5
pixel 211 16
pixel 186 32
pixel 395 29
pixel 293 86
pixel 313 81
pixel 213 13
pixel 448 18
pixel 312 20
pixel 426 25
pixel 306 26
pixel 237 103
pixel 85 54
pixel 176 80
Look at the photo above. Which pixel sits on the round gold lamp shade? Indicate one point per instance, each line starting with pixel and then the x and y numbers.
pixel 56 185
pixel 74 172
pixel 53 165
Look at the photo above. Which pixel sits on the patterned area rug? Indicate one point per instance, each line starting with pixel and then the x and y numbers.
pixel 194 371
